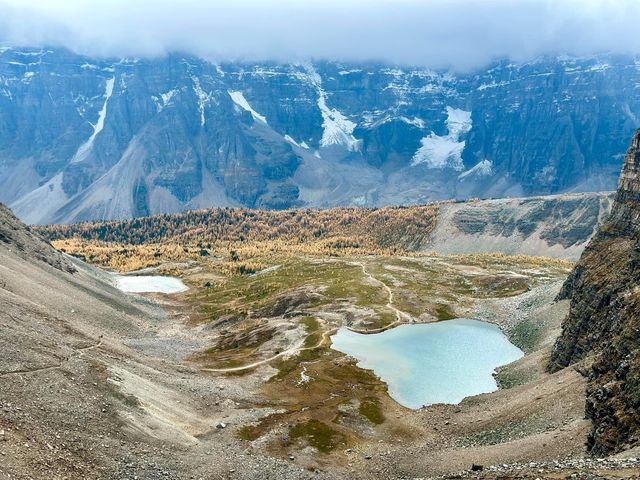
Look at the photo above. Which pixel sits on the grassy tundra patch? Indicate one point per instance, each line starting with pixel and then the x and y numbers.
pixel 526 334
pixel 370 409
pixel 319 435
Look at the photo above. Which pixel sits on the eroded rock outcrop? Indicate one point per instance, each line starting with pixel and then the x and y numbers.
pixel 25 243
pixel 604 319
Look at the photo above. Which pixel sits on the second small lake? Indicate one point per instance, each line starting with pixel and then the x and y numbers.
pixel 424 364
pixel 149 284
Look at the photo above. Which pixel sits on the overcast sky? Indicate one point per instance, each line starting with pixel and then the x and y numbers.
pixel 458 34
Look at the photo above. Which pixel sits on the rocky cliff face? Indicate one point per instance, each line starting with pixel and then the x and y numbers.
pixel 85 138
pixel 604 319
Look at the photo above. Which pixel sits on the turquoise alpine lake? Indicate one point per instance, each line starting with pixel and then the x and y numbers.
pixel 441 362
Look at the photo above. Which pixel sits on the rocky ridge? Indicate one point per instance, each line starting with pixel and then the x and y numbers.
pixel 92 138
pixel 604 319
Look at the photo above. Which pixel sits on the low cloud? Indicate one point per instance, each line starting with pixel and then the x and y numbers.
pixel 457 34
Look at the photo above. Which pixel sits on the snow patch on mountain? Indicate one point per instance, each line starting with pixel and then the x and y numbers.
pixel 458 121
pixel 337 128
pixel 373 120
pixel 406 85
pixel 238 99
pixel 293 142
pixel 439 152
pixel 262 72
pixel 349 72
pixel 492 84
pixel 84 149
pixel 481 169
pixel 415 121
pixel 203 98
pixel 445 151
pixel 597 67
pixel 219 69
pixel 39 53
pixel 164 99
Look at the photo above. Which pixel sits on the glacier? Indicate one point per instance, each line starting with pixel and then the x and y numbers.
pixel 445 151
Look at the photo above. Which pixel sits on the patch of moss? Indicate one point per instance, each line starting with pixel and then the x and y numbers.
pixel 236 349
pixel 349 373
pixel 313 330
pixel 371 410
pixel 504 433
pixel 312 340
pixel 249 433
pixel 312 325
pixel 288 365
pixel 509 377
pixel 444 312
pixel 526 334
pixel 239 373
pixel 318 434
pixel 499 285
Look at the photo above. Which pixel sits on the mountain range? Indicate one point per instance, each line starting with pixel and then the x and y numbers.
pixel 89 139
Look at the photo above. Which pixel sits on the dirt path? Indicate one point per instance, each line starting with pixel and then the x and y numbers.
pixel 401 317
pixel 76 353
pixel 298 348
